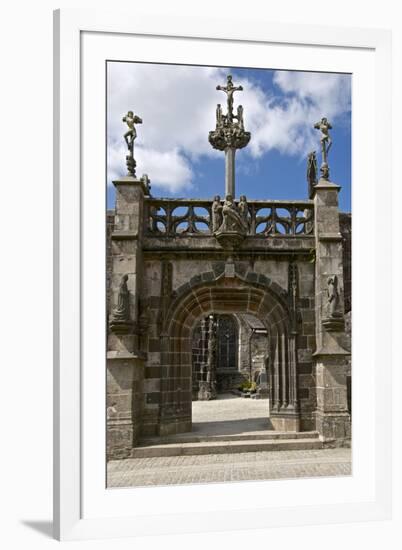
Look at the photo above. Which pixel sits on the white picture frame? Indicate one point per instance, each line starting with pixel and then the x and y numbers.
pixel 83 508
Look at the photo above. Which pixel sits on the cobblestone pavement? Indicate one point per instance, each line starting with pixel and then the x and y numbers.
pixel 179 470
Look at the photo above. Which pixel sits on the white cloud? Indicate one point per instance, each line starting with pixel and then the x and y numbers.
pixel 285 121
pixel 169 169
pixel 177 105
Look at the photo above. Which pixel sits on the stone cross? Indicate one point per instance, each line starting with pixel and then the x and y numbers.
pixel 230 89
pixel 229 134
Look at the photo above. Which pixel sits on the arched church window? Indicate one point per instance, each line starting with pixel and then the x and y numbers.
pixel 227 335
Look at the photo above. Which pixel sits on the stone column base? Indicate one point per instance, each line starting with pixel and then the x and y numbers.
pixel 332 416
pixel 285 422
pixel 125 373
pixel 206 391
pixel 120 436
pixel 334 428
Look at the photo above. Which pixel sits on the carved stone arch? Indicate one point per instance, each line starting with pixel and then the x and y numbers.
pixel 252 278
pixel 261 298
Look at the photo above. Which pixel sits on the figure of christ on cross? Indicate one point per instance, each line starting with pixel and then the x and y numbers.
pixel 229 89
pixel 130 119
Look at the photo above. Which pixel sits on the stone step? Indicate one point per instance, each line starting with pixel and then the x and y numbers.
pixel 262 435
pixel 224 447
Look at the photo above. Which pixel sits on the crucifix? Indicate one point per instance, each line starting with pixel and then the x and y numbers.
pixel 229 133
pixel 230 89
pixel 131 119
pixel 325 139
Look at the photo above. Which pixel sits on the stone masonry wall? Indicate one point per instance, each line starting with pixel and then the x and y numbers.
pixel 187 266
pixel 345 227
pixel 183 270
pixel 109 260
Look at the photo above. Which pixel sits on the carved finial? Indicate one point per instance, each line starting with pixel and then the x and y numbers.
pixel 147 183
pixel 131 119
pixel 311 172
pixel 325 139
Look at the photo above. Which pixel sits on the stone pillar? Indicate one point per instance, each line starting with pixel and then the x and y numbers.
pixel 230 171
pixel 125 374
pixel 207 386
pixel 204 349
pixel 331 355
pixel 125 363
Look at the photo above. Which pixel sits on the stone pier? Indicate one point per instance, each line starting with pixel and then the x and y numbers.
pixel 331 356
pixel 125 360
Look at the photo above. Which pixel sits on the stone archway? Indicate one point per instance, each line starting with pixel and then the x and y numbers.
pixel 254 295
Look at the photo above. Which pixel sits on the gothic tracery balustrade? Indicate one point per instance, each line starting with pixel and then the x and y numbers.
pixel 192 217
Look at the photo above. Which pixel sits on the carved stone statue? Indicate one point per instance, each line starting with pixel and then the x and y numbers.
pixel 325 139
pixel 122 311
pixel 216 213
pixel 219 116
pixel 323 125
pixel 120 320
pixel 240 120
pixel 333 296
pixel 229 89
pixel 232 219
pixel 334 321
pixel 130 119
pixel 243 209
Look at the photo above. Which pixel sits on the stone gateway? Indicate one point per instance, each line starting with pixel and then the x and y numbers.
pixel 238 295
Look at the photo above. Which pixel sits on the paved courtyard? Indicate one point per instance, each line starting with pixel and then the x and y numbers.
pixel 226 416
pixel 229 467
pixel 230 414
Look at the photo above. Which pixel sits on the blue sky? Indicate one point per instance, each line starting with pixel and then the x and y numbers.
pixel 177 104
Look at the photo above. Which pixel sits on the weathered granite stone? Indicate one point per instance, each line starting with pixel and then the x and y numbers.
pixel 176 278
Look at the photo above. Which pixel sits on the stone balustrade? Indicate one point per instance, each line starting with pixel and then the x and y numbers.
pixel 193 217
